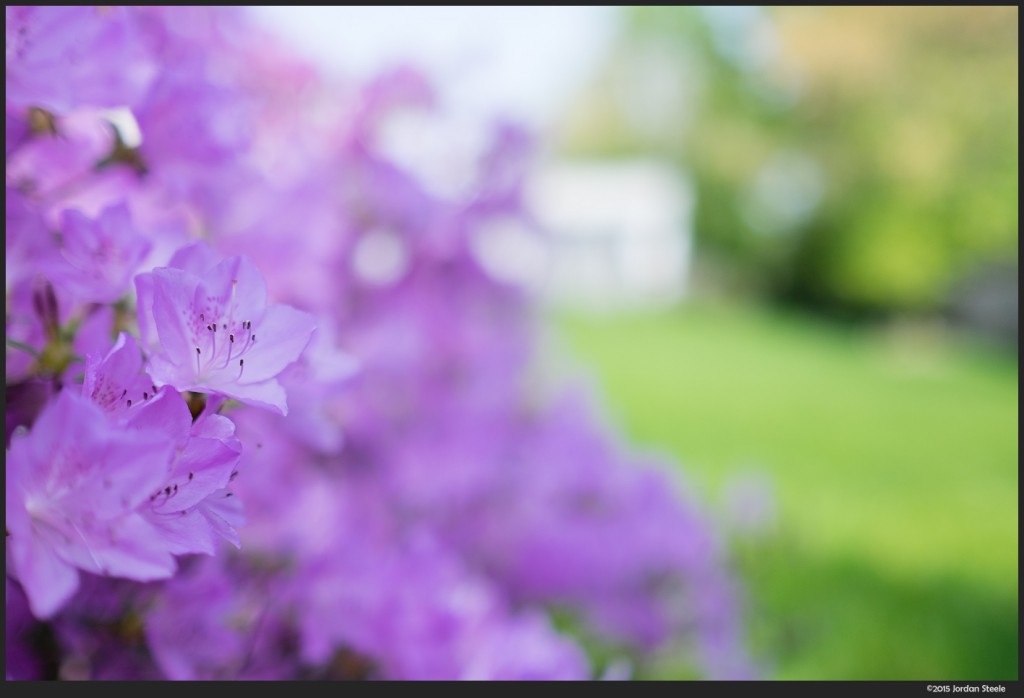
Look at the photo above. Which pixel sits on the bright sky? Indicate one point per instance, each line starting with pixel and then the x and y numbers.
pixel 520 62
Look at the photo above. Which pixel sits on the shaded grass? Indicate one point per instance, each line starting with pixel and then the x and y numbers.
pixel 893 459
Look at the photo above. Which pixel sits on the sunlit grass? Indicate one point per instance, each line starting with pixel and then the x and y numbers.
pixel 893 459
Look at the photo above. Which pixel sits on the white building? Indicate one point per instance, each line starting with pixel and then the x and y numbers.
pixel 621 232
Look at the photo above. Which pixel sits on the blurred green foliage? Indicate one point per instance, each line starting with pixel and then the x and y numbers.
pixel 856 158
pixel 892 457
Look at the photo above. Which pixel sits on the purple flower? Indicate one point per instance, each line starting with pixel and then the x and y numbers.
pixel 28 240
pixel 216 333
pixel 95 632
pixel 450 623
pixel 215 621
pixel 93 335
pixel 192 507
pixel 413 520
pixel 60 58
pixel 116 382
pixel 524 648
pixel 100 256
pixel 54 164
pixel 186 630
pixel 317 381
pixel 74 484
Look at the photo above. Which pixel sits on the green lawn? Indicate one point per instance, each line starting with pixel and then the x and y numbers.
pixel 893 458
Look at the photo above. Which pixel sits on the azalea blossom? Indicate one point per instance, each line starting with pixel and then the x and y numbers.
pixel 59 58
pixel 100 256
pixel 214 332
pixel 74 484
pixel 416 518
pixel 115 382
pixel 193 508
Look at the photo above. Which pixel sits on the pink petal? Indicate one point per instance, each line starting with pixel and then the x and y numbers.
pixel 281 337
pixel 165 413
pixel 214 426
pixel 130 547
pixel 174 294
pixel 239 289
pixel 196 258
pixel 204 467
pixel 144 296
pixel 129 467
pixel 117 377
pixel 93 336
pixel 224 512
pixel 166 373
pixel 185 532
pixel 47 580
pixel 267 394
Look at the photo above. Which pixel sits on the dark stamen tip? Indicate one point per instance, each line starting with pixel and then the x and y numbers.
pixel 129 402
pixel 191 475
pixel 231 337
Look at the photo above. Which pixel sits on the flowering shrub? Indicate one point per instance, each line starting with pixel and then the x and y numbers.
pixel 231 454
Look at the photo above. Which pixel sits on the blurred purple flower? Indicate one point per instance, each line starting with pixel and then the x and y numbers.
pixel 29 242
pixel 59 58
pixel 100 256
pixel 74 484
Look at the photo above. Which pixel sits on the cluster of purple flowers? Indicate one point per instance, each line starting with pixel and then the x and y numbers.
pixel 232 454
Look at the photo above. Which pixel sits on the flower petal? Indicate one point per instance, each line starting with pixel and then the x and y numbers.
pixel 47 580
pixel 197 258
pixel 185 532
pixel 144 296
pixel 238 288
pixel 166 413
pixel 282 336
pixel 129 547
pixel 223 511
pixel 269 394
pixel 203 467
pixel 174 293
